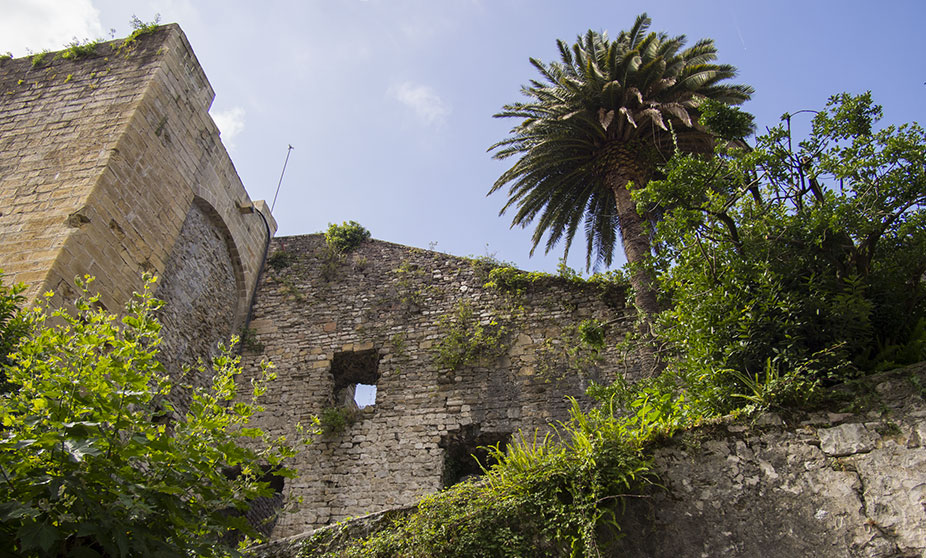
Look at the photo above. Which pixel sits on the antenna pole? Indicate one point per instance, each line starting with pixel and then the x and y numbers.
pixel 280 183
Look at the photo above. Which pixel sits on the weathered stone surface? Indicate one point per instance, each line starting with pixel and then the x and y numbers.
pixel 110 166
pixel 856 489
pixel 746 490
pixel 846 439
pixel 201 283
pixel 400 302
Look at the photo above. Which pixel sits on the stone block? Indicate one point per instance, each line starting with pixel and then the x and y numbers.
pixel 847 439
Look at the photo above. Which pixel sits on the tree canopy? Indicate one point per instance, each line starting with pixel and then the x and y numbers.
pixel 798 262
pixel 599 122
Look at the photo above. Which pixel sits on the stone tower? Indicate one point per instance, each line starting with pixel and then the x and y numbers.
pixel 111 166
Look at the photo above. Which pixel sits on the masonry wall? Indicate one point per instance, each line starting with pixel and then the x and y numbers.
pixel 815 485
pixel 399 304
pixel 57 133
pixel 111 166
pixel 827 484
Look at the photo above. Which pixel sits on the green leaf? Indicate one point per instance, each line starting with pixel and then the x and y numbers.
pixel 37 535
pixel 79 449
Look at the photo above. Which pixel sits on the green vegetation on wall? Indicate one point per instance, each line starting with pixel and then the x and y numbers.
pixel 345 237
pixel 281 259
pixel 553 496
pixel 469 339
pixel 335 420
pixel 39 58
pixel 78 49
pixel 141 28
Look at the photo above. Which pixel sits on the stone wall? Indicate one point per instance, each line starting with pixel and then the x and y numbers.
pixel 823 485
pixel 819 485
pixel 60 121
pixel 380 315
pixel 111 166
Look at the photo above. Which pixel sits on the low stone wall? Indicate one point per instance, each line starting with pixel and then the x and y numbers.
pixel 827 485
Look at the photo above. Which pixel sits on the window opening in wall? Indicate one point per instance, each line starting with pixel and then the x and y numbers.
pixel 355 374
pixel 465 453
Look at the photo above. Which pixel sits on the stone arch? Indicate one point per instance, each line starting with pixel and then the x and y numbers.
pixel 203 287
pixel 218 222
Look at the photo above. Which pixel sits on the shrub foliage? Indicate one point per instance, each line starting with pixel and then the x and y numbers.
pixel 345 237
pixel 13 326
pixel 95 460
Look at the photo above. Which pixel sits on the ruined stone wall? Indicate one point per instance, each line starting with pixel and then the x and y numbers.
pixel 818 485
pixel 380 314
pixel 827 484
pixel 111 166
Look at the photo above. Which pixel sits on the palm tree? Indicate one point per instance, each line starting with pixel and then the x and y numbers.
pixel 597 125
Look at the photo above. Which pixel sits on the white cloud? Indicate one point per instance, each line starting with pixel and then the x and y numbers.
pixel 423 100
pixel 230 123
pixel 38 25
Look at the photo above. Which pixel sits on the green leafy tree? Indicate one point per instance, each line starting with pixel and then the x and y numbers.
pixel 795 263
pixel 96 462
pixel 598 124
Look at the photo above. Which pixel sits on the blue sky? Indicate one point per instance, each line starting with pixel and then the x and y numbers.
pixel 389 103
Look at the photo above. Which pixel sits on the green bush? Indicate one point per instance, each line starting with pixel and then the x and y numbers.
pixel 140 27
pixel 592 333
pixel 39 58
pixel 335 420
pixel 345 237
pixel 78 49
pixel 95 459
pixel 509 278
pixel 281 259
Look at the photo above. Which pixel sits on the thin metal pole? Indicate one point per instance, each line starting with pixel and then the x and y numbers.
pixel 280 183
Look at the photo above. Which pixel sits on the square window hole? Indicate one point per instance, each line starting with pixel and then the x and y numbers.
pixel 355 375
pixel 465 453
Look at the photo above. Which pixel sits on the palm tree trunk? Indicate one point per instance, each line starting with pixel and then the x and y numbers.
pixel 636 241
